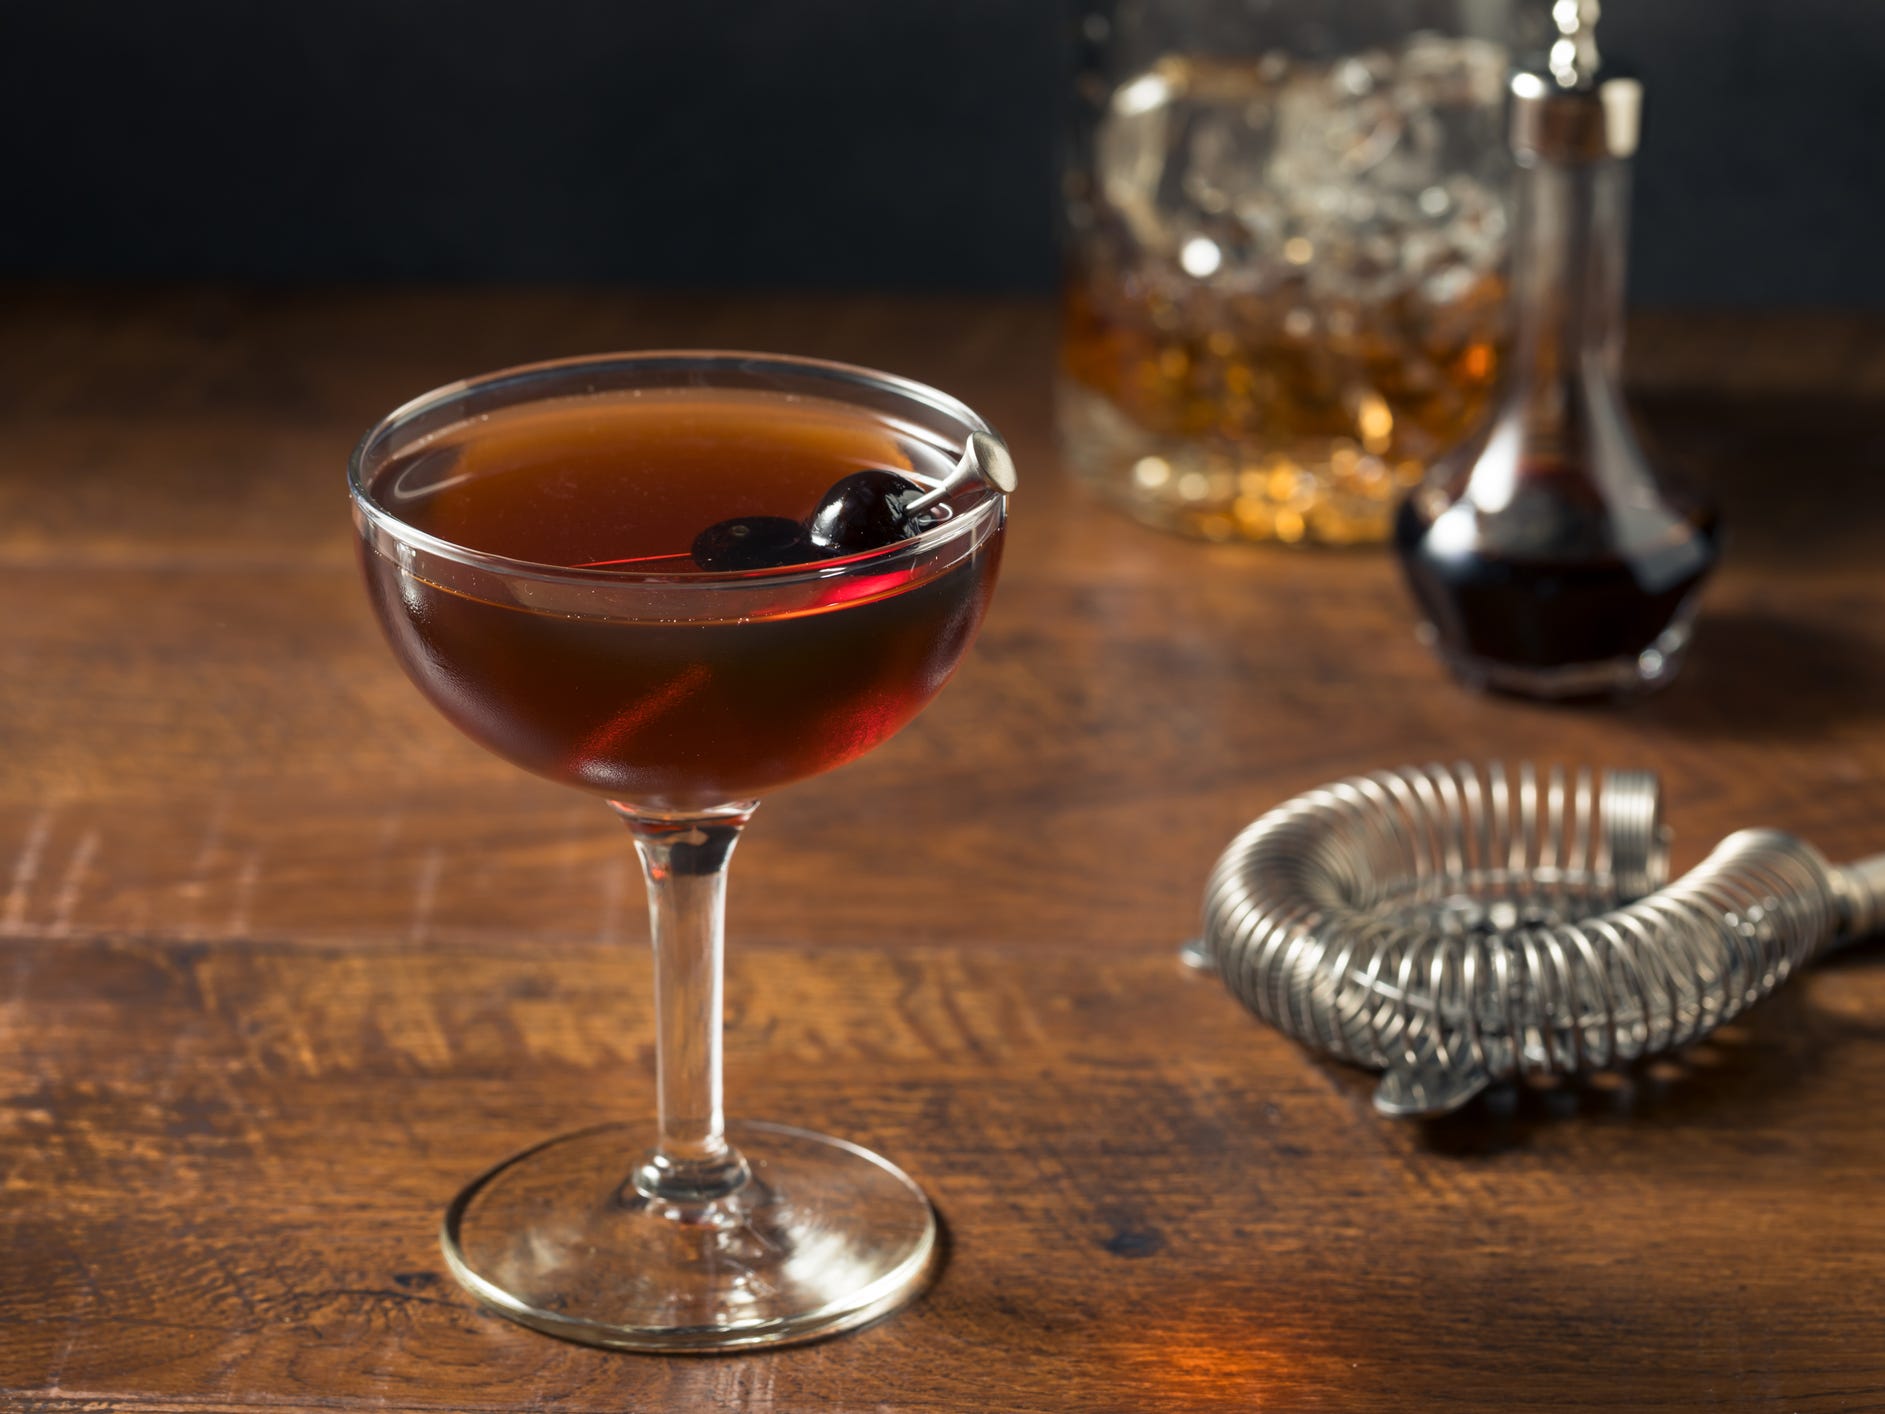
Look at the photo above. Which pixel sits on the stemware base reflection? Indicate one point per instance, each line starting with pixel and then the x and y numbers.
pixel 823 1237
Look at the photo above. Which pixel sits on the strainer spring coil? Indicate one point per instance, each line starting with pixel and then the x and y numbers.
pixel 1453 927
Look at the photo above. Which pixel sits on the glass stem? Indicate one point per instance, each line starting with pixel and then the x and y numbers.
pixel 684 858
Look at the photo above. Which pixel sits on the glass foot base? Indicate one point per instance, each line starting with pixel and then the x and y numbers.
pixel 823 1238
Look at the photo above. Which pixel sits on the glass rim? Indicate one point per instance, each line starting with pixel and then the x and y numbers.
pixel 921 394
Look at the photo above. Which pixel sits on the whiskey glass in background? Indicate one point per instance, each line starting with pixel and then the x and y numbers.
pixel 1287 237
pixel 574 635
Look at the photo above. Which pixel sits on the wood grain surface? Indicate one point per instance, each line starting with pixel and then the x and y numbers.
pixel 285 961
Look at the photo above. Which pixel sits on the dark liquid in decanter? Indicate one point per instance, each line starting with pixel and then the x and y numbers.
pixel 1551 611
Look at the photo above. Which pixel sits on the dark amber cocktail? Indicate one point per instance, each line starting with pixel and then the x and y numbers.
pixel 735 693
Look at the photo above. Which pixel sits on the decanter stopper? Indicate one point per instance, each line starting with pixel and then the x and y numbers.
pixel 1547 555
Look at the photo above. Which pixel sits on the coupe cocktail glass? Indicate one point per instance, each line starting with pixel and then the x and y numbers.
pixel 526 542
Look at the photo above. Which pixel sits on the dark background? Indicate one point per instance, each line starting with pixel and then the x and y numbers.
pixel 813 143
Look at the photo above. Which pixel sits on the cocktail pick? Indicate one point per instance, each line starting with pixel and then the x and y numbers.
pixel 856 514
pixel 983 459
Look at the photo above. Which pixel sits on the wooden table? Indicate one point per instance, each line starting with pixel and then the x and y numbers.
pixel 286 960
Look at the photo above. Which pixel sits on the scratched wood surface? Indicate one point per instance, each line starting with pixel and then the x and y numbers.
pixel 285 960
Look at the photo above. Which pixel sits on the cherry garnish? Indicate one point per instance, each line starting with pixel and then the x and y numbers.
pixel 864 511
pixel 753 543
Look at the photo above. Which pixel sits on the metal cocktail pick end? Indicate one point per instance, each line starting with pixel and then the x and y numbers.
pixel 983 459
pixel 1453 927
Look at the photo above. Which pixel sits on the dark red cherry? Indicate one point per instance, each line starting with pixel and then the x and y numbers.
pixel 864 511
pixel 753 543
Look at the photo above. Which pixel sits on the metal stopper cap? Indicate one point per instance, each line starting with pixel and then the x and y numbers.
pixel 1569 110
pixel 1552 123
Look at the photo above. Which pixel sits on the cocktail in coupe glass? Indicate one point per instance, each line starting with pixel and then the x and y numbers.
pixel 534 544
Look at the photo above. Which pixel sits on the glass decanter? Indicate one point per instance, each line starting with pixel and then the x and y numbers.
pixel 1549 557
